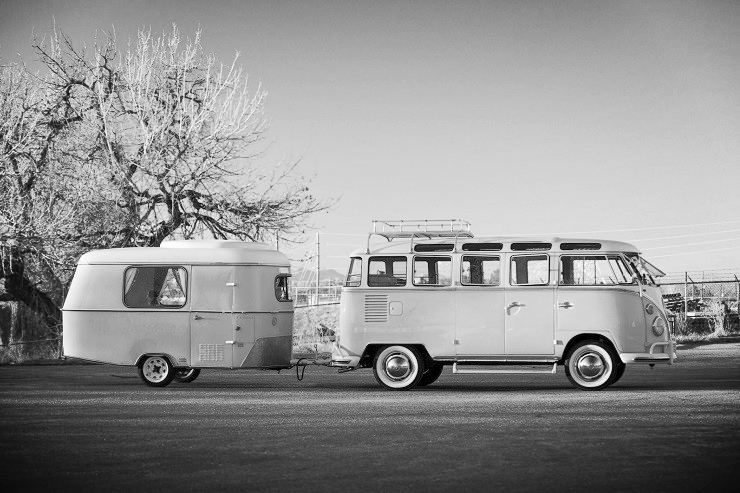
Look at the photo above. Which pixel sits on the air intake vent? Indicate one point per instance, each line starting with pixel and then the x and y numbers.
pixel 580 246
pixel 210 352
pixel 376 308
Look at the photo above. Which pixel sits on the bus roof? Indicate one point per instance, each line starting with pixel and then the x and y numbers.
pixel 201 252
pixel 499 244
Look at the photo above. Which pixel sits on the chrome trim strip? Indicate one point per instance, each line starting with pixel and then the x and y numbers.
pixel 455 369
pixel 170 310
pixel 525 359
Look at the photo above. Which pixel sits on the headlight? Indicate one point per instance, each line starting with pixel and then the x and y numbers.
pixel 658 326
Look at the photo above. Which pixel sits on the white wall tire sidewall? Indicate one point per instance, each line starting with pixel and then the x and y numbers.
pixel 380 364
pixel 606 358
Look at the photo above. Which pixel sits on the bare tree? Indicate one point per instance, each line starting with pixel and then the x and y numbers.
pixel 181 136
pixel 127 148
pixel 37 192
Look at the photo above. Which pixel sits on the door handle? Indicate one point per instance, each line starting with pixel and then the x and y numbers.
pixel 515 304
pixel 566 305
pixel 197 317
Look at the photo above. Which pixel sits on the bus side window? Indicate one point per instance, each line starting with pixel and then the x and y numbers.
pixel 532 270
pixel 592 270
pixel 386 271
pixel 481 270
pixel 436 271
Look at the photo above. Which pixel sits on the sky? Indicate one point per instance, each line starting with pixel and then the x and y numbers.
pixel 604 119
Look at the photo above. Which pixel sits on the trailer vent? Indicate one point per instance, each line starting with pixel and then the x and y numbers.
pixel 211 352
pixel 376 308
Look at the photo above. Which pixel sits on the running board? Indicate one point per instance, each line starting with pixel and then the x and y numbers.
pixel 455 369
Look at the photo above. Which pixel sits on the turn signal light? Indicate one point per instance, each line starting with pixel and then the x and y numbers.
pixel 658 326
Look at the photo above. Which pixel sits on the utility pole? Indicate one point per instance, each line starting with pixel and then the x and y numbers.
pixel 686 295
pixel 318 264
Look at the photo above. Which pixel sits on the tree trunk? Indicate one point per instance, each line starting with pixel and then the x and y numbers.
pixel 15 286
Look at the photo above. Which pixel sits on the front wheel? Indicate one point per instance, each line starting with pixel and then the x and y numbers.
pixel 618 372
pixel 398 367
pixel 590 365
pixel 186 375
pixel 156 371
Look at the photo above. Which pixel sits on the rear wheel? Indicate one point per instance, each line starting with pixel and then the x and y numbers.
pixel 186 375
pixel 431 375
pixel 398 367
pixel 590 365
pixel 156 371
pixel 618 372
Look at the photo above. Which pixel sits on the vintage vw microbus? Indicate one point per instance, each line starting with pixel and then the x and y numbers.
pixel 181 307
pixel 440 296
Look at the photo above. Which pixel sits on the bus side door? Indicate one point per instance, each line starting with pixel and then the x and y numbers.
pixel 479 327
pixel 529 306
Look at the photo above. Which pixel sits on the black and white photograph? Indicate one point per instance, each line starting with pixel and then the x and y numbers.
pixel 349 245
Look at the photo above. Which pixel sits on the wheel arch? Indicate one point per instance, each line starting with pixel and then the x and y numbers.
pixel 169 357
pixel 588 336
pixel 366 360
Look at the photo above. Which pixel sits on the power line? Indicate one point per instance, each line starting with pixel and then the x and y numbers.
pixel 691 244
pixel 689 236
pixel 619 230
pixel 692 253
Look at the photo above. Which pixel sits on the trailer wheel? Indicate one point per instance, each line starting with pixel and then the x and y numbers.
pixel 156 371
pixel 186 375
pixel 398 367
pixel 431 375
pixel 590 365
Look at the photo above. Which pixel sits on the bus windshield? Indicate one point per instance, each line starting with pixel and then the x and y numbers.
pixel 645 270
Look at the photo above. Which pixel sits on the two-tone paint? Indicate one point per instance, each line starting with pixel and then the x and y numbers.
pixel 231 317
pixel 502 324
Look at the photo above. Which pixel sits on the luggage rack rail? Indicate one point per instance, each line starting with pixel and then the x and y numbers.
pixel 391 229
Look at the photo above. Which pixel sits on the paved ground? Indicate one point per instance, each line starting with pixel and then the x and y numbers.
pixel 97 427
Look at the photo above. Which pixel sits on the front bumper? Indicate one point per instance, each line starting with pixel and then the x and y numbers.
pixel 667 355
pixel 342 357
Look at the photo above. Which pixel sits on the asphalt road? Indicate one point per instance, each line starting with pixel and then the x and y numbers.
pixel 92 427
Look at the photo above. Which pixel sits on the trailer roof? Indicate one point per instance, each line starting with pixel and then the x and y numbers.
pixel 203 252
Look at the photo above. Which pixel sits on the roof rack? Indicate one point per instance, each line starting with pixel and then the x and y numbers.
pixel 420 228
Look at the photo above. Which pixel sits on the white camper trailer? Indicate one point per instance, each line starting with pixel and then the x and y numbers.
pixel 181 307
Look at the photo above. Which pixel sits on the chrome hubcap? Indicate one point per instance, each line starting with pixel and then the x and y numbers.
pixel 155 369
pixel 397 366
pixel 590 366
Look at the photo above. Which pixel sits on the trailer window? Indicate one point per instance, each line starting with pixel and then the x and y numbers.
pixel 386 271
pixel 354 276
pixel 481 270
pixel 155 287
pixel 282 287
pixel 585 270
pixel 436 271
pixel 530 270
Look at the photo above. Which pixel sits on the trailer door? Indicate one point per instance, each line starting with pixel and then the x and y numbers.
pixel 212 320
